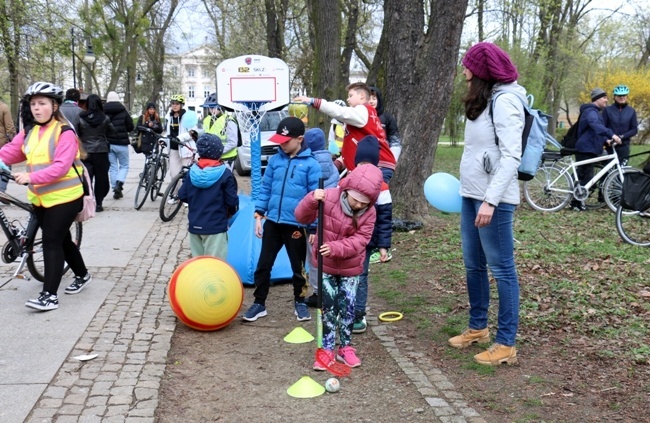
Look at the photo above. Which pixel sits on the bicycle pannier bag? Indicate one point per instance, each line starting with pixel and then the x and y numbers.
pixel 533 138
pixel 89 203
pixel 636 191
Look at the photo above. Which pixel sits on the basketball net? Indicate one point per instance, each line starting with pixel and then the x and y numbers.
pixel 249 121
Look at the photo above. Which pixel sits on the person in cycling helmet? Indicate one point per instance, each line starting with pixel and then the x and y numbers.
pixel 222 124
pixel 178 125
pixel 53 177
pixel 621 118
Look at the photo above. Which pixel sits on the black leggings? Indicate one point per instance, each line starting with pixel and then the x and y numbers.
pixel 58 247
pixel 98 166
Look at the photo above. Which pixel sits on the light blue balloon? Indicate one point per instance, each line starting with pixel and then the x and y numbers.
pixel 442 192
pixel 333 148
pixel 190 119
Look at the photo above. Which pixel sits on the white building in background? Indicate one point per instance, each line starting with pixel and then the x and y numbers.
pixel 193 74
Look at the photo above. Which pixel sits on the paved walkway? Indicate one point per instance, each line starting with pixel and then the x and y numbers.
pixel 124 318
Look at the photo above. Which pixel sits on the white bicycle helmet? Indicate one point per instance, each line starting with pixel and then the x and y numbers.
pixel 340 103
pixel 45 89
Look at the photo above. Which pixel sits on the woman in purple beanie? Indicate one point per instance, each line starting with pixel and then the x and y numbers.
pixel 490 194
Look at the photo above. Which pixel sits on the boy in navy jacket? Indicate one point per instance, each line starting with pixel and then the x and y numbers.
pixel 210 191
pixel 290 174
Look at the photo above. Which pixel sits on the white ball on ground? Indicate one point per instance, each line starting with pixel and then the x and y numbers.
pixel 332 385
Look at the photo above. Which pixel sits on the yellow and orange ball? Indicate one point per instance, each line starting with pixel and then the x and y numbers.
pixel 205 293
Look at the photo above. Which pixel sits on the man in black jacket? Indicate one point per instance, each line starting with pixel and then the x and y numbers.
pixel 119 153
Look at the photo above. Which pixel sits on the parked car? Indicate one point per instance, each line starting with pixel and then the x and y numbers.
pixel 268 126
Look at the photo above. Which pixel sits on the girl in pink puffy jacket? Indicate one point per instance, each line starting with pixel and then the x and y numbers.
pixel 349 219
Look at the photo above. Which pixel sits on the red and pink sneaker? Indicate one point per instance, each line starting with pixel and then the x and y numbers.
pixel 348 356
pixel 317 364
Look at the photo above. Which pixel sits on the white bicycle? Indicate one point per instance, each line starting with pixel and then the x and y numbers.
pixel 556 183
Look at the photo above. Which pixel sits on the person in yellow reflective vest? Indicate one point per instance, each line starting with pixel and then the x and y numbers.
pixel 50 149
pixel 223 125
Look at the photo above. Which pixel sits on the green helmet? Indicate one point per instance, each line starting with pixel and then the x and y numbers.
pixel 178 97
pixel 621 90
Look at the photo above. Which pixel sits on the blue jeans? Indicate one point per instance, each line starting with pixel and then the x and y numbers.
pixel 362 289
pixel 492 246
pixel 119 159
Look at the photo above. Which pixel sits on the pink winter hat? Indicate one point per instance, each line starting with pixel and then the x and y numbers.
pixel 487 61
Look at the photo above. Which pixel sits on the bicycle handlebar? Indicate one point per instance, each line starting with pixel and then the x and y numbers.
pixel 4 173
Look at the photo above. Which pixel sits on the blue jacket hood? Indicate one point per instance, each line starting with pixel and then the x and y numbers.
pixel 206 177
pixel 315 139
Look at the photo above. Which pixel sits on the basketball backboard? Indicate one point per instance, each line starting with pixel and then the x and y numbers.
pixel 251 78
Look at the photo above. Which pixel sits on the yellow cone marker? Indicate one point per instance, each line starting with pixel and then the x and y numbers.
pixel 306 387
pixel 298 336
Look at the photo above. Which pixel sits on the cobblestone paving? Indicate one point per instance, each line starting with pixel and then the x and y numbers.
pixel 131 332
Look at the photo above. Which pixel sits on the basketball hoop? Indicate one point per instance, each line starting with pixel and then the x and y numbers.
pixel 250 85
pixel 249 118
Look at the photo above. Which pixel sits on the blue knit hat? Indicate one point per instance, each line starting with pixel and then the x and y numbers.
pixel 367 150
pixel 315 138
pixel 209 146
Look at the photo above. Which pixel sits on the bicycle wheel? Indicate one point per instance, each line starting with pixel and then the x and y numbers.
pixel 613 188
pixel 550 190
pixel 170 204
pixel 144 186
pixel 633 226
pixel 35 246
pixel 158 179
pixel 596 199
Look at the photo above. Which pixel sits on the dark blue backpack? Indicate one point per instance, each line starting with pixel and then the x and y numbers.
pixel 533 138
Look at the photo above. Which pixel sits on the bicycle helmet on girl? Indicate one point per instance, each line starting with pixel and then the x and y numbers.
pixel 178 97
pixel 44 89
pixel 621 90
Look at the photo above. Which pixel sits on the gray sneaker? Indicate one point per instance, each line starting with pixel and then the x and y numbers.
pixel 78 284
pixel 302 312
pixel 254 312
pixel 44 302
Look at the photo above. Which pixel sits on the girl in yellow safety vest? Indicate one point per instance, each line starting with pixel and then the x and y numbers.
pixel 51 151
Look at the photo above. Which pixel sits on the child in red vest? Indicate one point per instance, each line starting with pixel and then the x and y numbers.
pixel 360 119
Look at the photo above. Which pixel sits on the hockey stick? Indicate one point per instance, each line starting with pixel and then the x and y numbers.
pixel 329 363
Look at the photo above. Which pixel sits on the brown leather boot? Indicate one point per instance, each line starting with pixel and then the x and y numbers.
pixel 469 337
pixel 497 354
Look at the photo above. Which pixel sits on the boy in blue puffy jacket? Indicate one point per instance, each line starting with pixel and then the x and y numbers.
pixel 290 175
pixel 210 191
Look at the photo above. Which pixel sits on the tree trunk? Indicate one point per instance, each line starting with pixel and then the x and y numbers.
pixel 11 24
pixel 275 27
pixel 377 72
pixel 420 73
pixel 348 46
pixel 325 17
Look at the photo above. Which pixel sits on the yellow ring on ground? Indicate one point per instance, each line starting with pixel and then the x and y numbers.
pixel 391 316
